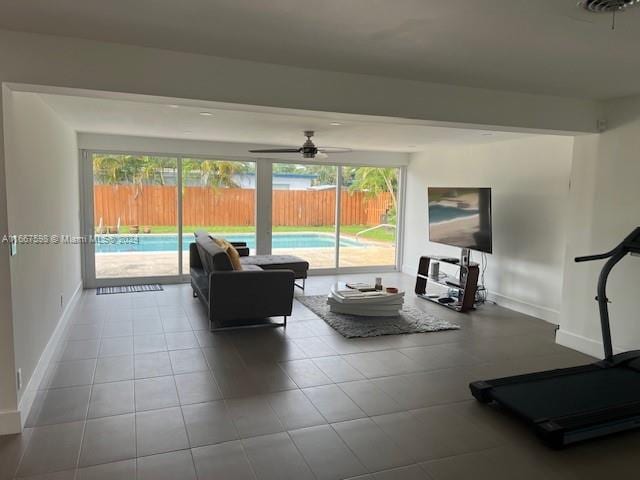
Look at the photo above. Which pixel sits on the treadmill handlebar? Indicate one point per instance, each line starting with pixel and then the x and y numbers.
pixel 631 244
pixel 601 256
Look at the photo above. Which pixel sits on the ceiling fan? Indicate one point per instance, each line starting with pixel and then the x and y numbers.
pixel 608 6
pixel 308 148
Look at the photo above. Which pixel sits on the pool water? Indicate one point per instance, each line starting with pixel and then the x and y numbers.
pixel 441 213
pixel 169 242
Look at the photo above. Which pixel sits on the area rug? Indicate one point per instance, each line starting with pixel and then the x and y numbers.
pixel 151 287
pixel 410 320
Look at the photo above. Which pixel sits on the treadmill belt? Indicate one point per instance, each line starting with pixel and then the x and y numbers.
pixel 563 395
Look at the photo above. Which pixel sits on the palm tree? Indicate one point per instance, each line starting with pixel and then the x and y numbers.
pixel 375 180
pixel 109 169
pixel 157 166
pixel 325 174
pixel 215 173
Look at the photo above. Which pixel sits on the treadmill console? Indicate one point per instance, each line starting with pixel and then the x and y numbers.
pixel 632 242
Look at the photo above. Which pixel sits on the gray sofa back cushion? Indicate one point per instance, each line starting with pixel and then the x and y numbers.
pixel 214 258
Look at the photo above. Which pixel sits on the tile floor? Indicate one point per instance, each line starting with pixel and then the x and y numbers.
pixel 141 389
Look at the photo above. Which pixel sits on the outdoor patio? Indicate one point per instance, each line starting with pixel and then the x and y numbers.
pixel 146 264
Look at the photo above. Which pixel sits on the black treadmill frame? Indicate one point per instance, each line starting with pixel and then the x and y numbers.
pixel 560 431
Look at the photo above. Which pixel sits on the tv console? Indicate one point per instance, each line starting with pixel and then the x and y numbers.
pixel 466 284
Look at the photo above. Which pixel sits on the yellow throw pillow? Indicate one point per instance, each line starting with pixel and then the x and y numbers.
pixel 234 256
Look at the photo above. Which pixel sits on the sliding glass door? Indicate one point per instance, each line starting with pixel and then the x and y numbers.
pixel 135 213
pixel 218 196
pixel 304 212
pixel 368 216
pixel 307 209
pixel 142 211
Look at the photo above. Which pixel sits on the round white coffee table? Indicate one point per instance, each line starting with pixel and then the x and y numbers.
pixel 343 299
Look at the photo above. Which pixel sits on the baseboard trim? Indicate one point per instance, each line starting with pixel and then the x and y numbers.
pixel 544 313
pixel 410 270
pixel 582 344
pixel 29 395
pixel 10 422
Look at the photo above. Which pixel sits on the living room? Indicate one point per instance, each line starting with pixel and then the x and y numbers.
pixel 151 160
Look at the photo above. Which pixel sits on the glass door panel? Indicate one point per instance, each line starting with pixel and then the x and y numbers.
pixel 218 196
pixel 304 212
pixel 368 217
pixel 135 210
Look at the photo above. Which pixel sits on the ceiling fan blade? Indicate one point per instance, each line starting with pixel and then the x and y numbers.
pixel 334 150
pixel 277 150
pixel 321 155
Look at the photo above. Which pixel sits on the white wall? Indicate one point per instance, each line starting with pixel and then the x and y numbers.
pixel 76 63
pixel 530 182
pixel 605 197
pixel 41 163
pixel 9 419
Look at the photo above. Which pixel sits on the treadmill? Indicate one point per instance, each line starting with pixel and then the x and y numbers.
pixel 570 405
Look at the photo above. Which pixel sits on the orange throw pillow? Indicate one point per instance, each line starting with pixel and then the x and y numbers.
pixel 234 256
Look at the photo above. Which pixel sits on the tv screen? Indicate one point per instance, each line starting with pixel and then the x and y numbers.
pixel 461 217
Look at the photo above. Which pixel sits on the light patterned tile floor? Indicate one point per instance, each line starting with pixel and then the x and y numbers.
pixel 142 388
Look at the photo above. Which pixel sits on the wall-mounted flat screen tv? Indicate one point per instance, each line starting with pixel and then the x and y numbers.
pixel 461 217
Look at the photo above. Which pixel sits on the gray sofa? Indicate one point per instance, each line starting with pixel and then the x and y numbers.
pixel 262 289
pixel 299 266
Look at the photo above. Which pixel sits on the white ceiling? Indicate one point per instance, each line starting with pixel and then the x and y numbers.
pixel 259 125
pixel 543 46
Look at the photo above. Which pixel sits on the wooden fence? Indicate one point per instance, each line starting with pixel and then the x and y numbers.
pixel 158 205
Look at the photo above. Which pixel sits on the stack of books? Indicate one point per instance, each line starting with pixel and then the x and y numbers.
pixel 374 303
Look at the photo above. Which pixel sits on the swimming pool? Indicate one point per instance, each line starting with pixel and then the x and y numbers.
pixel 441 213
pixel 169 242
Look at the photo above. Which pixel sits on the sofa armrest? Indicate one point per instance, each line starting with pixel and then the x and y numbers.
pixel 194 256
pixel 241 295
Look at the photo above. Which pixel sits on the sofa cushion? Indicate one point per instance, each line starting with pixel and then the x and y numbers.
pixel 214 258
pixel 278 262
pixel 251 268
pixel 234 256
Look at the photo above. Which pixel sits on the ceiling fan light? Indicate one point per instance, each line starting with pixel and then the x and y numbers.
pixel 606 6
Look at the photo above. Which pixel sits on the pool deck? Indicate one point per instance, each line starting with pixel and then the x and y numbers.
pixel 146 264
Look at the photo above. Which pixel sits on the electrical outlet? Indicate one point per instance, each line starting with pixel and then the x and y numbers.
pixel 13 245
pixel 19 378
